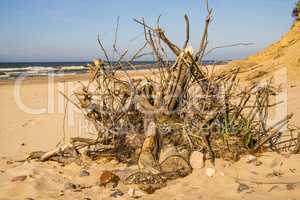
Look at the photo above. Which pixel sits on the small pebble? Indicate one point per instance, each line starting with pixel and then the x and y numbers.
pixel 242 187
pixel 109 179
pixel 196 160
pixel 134 193
pixel 210 172
pixel 250 158
pixel 114 162
pixel 84 173
pixel 257 163
pixel 70 186
pixel 131 192
pixel 117 193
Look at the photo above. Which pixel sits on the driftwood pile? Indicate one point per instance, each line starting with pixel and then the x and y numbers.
pixel 157 120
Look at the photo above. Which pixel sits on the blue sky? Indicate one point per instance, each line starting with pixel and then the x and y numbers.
pixel 66 30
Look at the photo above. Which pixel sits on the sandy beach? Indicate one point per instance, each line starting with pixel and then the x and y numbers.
pixel 21 133
pixel 226 132
pixel 34 121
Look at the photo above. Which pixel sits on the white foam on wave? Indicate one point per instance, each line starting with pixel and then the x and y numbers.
pixel 41 68
pixel 34 68
pixel 73 67
pixel 30 71
pixel 5 76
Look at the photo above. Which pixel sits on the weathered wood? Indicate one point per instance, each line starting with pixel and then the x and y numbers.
pixel 56 151
pixel 297 148
pixel 148 160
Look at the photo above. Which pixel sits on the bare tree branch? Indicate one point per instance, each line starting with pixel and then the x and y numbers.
pixel 203 44
pixel 160 33
pixel 116 35
pixel 103 49
pixel 228 46
pixel 187 31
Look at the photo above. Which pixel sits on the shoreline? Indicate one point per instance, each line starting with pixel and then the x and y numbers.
pixel 135 73
pixel 44 79
pixel 73 77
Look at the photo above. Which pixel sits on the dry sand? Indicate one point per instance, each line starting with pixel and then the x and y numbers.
pixel 277 178
pixel 23 132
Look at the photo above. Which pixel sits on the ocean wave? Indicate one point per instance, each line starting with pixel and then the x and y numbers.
pixel 18 69
pixel 42 68
pixel 4 76
pixel 81 67
pixel 33 68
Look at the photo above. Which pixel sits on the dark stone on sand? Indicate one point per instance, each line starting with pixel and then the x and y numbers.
pixel 116 193
pixel 84 173
pixel 108 178
pixel 70 186
pixel 242 187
